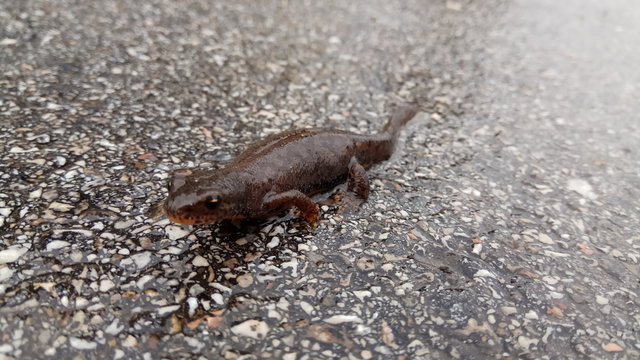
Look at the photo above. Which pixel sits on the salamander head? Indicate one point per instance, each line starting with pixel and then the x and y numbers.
pixel 195 197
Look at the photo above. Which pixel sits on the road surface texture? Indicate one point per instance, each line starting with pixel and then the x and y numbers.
pixel 505 226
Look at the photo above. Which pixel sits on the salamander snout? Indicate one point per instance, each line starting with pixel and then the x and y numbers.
pixel 195 199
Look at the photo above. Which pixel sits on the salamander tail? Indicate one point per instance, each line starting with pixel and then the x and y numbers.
pixel 401 116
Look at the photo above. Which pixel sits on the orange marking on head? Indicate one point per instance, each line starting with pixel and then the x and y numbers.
pixel 180 220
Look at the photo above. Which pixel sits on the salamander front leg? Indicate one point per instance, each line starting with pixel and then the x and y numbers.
pixel 358 182
pixel 274 203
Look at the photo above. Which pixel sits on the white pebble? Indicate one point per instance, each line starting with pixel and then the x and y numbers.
pixel 5 273
pixel 81 303
pixel 193 305
pixel 545 239
pixel 526 342
pixel 12 254
pixel 143 281
pixel 484 273
pixel 251 328
pixel 61 207
pixel 176 232
pixel 60 161
pixel 123 224
pixel 130 341
pixel 218 298
pixel 141 259
pixel 361 294
pixel 477 248
pixel 57 244
pixel 81 344
pixel 306 307
pixel 200 261
pixel 582 187
pixel 8 41
pixel 245 280
pixel 106 285
pixel 339 319
pixel 289 356
pixel 114 328
pixel 531 315
pixel 167 309
pixel 118 354
pixel 35 194
pixel 275 241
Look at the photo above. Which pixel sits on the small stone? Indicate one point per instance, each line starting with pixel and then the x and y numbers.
pixel 251 328
pixel 582 187
pixel 141 259
pixel 5 273
pixel 12 254
pixel 308 308
pixel 123 224
pixel 43 139
pixel 106 285
pixel 81 303
pixel 218 298
pixel 484 273
pixel 509 310
pixel 130 341
pixel 289 356
pixel 60 160
pixel 57 244
pixel 361 294
pixel 192 305
pixel 176 232
pixel 477 248
pixel 114 328
pixel 6 348
pixel 82 344
pixel 245 280
pixel 61 207
pixel 526 342
pixel 531 315
pixel 8 42
pixel 602 300
pixel 275 241
pixel 35 194
pixel 167 309
pixel 612 347
pixel 545 239
pixel 339 319
pixel 200 261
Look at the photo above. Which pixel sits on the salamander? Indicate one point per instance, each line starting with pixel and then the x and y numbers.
pixel 281 172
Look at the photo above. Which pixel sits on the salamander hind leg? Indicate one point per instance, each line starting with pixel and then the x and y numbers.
pixel 358 182
pixel 274 203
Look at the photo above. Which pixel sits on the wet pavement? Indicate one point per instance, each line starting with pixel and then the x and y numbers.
pixel 505 226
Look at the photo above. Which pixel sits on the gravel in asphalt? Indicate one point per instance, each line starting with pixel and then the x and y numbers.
pixel 505 226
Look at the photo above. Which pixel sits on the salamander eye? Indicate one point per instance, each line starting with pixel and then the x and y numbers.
pixel 212 202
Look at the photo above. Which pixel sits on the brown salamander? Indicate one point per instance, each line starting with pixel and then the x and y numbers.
pixel 280 172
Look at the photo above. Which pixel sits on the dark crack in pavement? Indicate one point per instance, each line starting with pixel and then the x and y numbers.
pixel 505 226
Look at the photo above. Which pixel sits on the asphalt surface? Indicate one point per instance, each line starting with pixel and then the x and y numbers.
pixel 505 226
